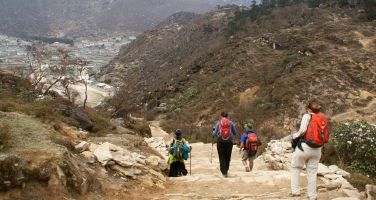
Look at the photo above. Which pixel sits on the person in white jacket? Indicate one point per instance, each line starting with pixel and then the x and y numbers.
pixel 305 155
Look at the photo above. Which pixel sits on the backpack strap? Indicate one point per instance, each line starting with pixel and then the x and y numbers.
pixel 173 142
pixel 303 137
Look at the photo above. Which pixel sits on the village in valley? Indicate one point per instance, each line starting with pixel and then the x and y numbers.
pixel 96 53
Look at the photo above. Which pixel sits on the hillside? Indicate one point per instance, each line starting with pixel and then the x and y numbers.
pixel 52 149
pixel 263 68
pixel 90 18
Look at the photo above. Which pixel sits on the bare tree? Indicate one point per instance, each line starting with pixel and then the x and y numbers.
pixel 74 95
pixel 57 67
pixel 66 83
pixel 83 76
pixel 60 69
pixel 37 56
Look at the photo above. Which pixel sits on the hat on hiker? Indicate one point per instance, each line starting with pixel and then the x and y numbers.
pixel 178 133
pixel 314 106
pixel 248 126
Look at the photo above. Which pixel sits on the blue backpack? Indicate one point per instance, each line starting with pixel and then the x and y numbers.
pixel 180 150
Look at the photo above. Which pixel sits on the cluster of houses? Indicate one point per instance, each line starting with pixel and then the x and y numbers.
pixel 12 51
pixel 100 52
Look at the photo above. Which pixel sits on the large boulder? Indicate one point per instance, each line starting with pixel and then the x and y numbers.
pixel 335 169
pixel 78 114
pixel 323 170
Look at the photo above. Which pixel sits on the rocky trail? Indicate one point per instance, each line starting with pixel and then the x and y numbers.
pixel 270 178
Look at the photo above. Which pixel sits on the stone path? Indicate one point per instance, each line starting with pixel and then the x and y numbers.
pixel 206 181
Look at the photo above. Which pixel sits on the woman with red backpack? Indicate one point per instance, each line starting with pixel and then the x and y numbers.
pixel 224 130
pixel 313 133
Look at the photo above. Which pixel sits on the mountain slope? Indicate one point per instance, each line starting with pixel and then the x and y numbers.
pixel 265 70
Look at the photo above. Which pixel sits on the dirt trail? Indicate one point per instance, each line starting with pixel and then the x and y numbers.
pixel 367 42
pixel 95 95
pixel 206 181
pixel 366 113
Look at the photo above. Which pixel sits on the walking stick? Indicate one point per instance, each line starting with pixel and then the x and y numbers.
pixel 211 153
pixel 190 162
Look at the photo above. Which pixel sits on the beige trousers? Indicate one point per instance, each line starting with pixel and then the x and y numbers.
pixel 311 158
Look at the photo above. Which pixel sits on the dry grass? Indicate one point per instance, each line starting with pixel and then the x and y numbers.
pixel 5 135
pixel 17 96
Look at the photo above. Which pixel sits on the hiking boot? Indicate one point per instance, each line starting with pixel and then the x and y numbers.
pixel 247 169
pixel 294 195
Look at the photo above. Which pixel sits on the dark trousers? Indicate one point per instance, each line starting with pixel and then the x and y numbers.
pixel 177 169
pixel 224 153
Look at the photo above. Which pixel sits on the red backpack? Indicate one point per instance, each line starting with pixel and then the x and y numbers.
pixel 225 128
pixel 252 142
pixel 317 132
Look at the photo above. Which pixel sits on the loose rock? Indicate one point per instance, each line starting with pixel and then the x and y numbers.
pixel 82 146
pixel 103 154
pixel 89 156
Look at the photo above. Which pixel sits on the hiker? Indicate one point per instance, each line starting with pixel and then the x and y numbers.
pixel 178 152
pixel 312 135
pixel 224 130
pixel 248 146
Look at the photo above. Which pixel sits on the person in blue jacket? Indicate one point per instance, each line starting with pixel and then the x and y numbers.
pixel 248 153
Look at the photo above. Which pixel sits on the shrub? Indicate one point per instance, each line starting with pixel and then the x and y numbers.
pixel 151 115
pixel 360 181
pixel 101 122
pixel 370 8
pixel 190 131
pixel 237 22
pixel 4 135
pixel 355 143
pixel 208 28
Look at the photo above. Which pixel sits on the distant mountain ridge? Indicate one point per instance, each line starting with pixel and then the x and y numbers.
pixel 61 18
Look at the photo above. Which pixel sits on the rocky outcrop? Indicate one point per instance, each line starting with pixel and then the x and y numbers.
pixel 159 144
pixel 371 192
pixel 123 162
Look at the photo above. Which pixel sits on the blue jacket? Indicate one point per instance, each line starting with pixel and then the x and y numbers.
pixel 216 132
